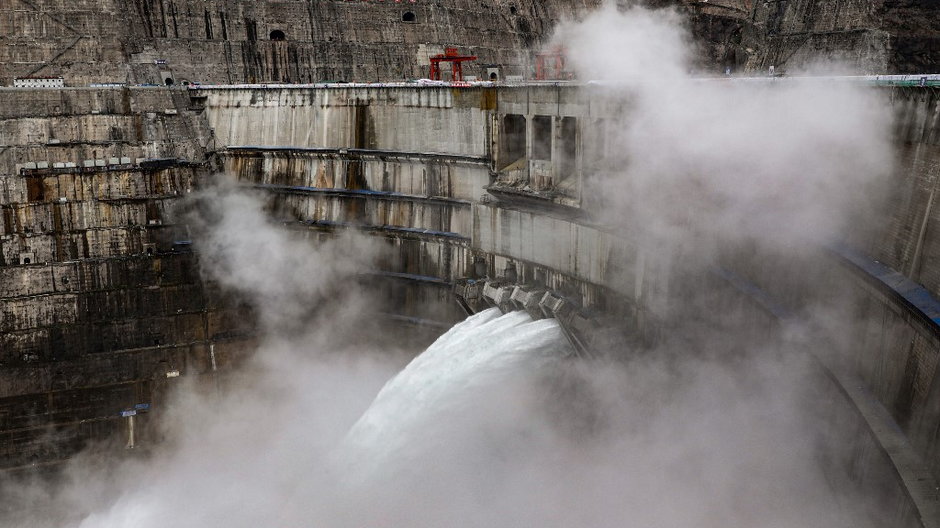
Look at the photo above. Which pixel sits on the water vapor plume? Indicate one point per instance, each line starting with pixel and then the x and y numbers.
pixel 698 162
pixel 471 433
pixel 278 271
pixel 238 446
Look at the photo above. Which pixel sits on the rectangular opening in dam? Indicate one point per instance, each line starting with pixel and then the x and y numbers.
pixel 513 140
pixel 594 144
pixel 542 138
pixel 568 147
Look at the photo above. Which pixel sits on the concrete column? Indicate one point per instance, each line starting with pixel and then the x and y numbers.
pixel 212 357
pixel 556 135
pixel 495 137
pixel 529 133
pixel 579 157
pixel 130 432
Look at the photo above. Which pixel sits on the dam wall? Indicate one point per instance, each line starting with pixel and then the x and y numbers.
pixel 403 174
pixel 101 301
pixel 407 119
pixel 910 239
pixel 539 144
pixel 875 295
pixel 102 304
pixel 74 125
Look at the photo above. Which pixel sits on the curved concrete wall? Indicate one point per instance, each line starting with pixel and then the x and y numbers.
pixel 406 163
pixel 409 119
pixel 444 176
pixel 542 235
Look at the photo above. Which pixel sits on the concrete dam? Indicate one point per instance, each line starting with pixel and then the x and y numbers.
pixel 714 291
pixel 104 306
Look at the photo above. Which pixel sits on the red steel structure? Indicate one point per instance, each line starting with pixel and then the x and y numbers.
pixel 456 61
pixel 552 65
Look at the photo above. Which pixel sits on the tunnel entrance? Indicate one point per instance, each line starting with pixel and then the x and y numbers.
pixel 513 139
pixel 169 81
pixel 277 34
pixel 409 17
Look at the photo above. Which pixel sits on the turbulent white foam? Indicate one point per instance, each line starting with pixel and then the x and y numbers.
pixel 449 425
pixel 466 396
pixel 468 436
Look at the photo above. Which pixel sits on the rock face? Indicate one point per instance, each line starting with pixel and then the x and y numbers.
pixel 865 36
pixel 915 34
pixel 239 41
pixel 247 41
pixel 860 36
pixel 101 301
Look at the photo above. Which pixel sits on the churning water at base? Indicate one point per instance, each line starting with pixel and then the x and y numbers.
pixel 493 427
pixel 441 439
pixel 468 436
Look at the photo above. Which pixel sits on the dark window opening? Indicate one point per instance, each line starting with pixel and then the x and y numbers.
pixel 224 28
pixel 513 139
pixel 542 138
pixel 479 267
pixel 35 190
pixel 568 149
pixel 168 81
pixel 176 29
pixel 409 17
pixel 251 29
pixel 208 20
pixel 277 34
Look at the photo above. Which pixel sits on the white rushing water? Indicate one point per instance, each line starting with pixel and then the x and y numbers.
pixel 461 417
pixel 461 414
pixel 492 427
pixel 474 383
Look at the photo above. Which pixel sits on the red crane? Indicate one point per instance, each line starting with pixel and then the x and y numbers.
pixel 552 65
pixel 456 61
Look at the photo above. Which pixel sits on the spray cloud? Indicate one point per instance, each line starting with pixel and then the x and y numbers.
pixel 795 160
